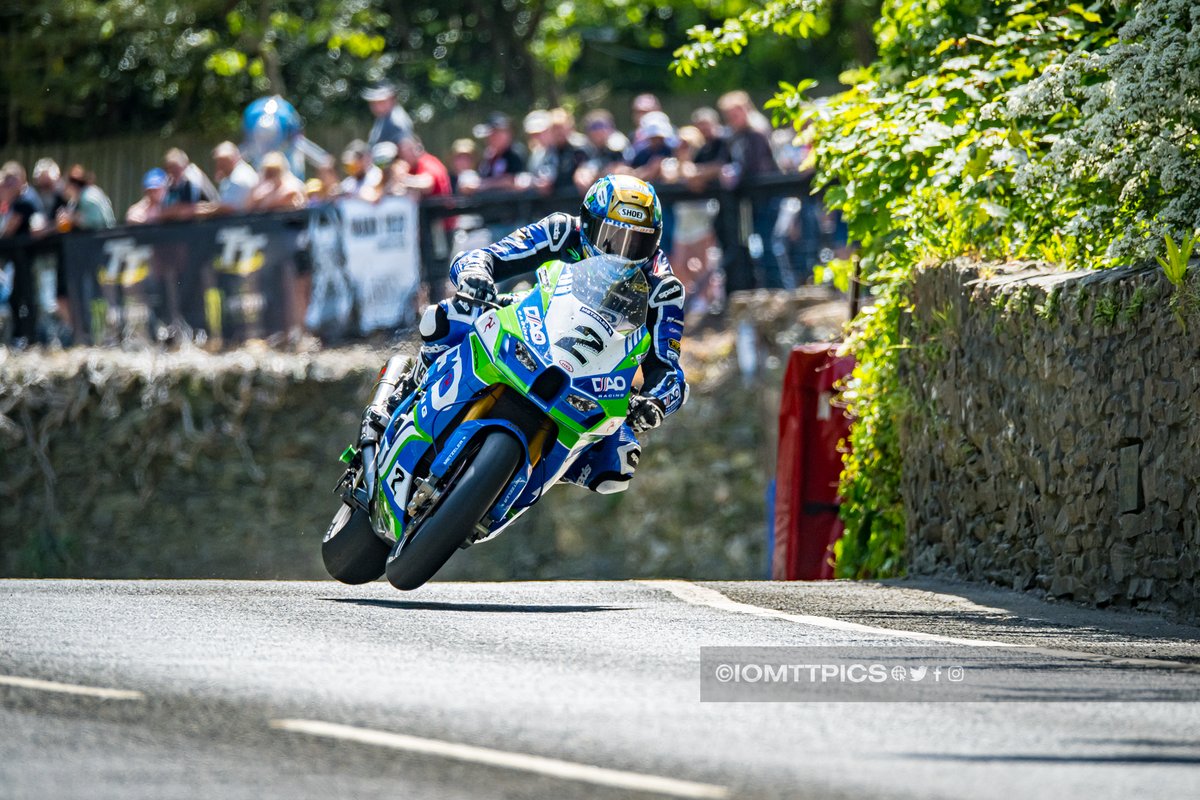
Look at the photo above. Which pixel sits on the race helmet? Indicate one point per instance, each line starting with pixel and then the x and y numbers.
pixel 621 216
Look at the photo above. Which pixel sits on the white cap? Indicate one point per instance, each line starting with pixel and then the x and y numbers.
pixel 655 123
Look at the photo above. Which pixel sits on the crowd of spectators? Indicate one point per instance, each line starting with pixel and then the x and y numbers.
pixel 748 240
pixel 717 241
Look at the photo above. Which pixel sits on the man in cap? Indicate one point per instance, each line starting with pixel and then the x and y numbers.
pixel 362 176
pixel 154 189
pixel 502 158
pixel 392 122
pixel 236 179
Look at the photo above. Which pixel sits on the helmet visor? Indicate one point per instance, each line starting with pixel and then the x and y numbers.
pixel 620 238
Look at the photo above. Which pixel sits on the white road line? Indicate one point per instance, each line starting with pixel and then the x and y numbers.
pixel 703 596
pixel 552 767
pixel 70 688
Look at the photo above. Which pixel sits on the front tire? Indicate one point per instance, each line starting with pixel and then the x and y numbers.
pixel 415 559
pixel 352 552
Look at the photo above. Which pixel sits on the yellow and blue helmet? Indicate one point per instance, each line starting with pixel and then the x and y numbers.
pixel 621 216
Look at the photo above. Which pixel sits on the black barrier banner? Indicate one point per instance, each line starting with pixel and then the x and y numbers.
pixel 221 279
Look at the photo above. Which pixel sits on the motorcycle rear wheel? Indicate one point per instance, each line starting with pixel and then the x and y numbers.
pixel 415 559
pixel 352 552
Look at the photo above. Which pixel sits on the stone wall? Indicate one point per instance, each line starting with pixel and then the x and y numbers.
pixel 1052 441
pixel 193 465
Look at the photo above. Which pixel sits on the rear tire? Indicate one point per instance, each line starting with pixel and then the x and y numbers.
pixel 415 559
pixel 352 552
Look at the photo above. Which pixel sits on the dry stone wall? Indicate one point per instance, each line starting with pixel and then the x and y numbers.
pixel 1052 440
pixel 139 465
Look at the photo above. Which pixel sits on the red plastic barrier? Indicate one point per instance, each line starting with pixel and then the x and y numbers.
pixel 806 475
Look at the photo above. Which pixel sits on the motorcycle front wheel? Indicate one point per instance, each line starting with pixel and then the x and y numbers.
pixel 416 558
pixel 352 552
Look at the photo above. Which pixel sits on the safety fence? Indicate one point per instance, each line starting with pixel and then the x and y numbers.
pixel 341 270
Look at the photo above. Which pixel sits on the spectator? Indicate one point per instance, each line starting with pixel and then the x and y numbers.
pixel 392 122
pixel 385 155
pixel 278 189
pixel 657 137
pixel 642 105
pixel 423 172
pixel 24 214
pixel 188 186
pixel 88 207
pixel 362 176
pixel 558 156
pixel 149 208
pixel 606 147
pixel 606 144
pixel 792 245
pixel 464 157
pixel 236 179
pixel 693 234
pixel 326 185
pixel 567 153
pixel 704 174
pixel 502 159
pixel 21 214
pixel 537 140
pixel 713 155
pixel 750 157
pixel 47 182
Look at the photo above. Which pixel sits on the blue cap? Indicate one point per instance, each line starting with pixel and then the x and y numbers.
pixel 154 179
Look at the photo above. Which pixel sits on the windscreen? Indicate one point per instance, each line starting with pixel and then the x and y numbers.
pixel 613 286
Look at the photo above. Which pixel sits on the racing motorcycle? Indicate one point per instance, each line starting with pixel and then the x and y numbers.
pixel 492 425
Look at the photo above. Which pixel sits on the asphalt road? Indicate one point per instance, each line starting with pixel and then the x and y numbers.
pixel 565 690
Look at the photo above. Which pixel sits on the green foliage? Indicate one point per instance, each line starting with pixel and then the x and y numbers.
pixel 871 504
pixel 1035 130
pixel 1106 309
pixel 1133 309
pixel 88 67
pixel 82 68
pixel 1175 264
pixel 1048 310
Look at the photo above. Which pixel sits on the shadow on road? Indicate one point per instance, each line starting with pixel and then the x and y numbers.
pixel 1043 758
pixel 502 608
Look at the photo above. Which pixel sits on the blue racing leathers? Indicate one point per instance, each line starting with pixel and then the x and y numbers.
pixel 609 464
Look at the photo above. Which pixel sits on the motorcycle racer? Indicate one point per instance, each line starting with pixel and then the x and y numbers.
pixel 620 215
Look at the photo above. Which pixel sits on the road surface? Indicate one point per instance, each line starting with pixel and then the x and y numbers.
pixel 181 689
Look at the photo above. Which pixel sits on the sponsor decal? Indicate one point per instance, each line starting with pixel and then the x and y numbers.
pixel 669 291
pixel 630 214
pixel 446 389
pixel 566 365
pixel 674 396
pixel 596 316
pixel 533 325
pixel 614 383
pixel 557 227
pixel 241 250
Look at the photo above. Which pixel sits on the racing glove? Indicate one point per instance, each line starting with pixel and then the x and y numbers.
pixel 478 286
pixel 645 413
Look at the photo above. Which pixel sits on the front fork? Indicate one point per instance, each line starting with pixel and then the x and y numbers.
pixel 357 486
